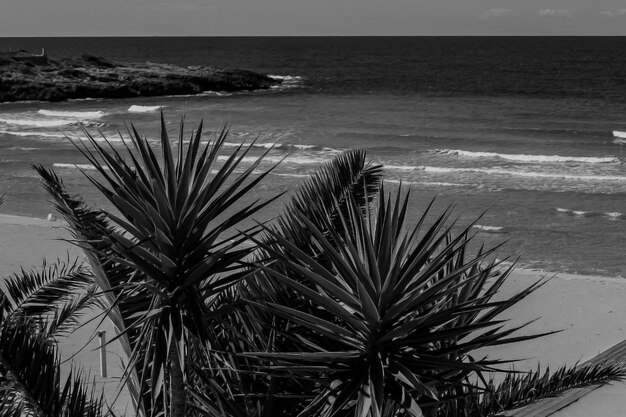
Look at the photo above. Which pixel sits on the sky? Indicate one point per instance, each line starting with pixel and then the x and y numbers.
pixel 310 17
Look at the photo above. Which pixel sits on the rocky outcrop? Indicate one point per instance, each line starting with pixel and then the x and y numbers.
pixel 96 77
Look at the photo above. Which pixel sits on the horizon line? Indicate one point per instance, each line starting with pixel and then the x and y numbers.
pixel 320 36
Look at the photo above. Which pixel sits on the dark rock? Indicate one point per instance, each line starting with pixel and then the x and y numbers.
pixel 72 73
pixel 97 61
pixel 98 77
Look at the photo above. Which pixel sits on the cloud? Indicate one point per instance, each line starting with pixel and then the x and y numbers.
pixel 555 13
pixel 497 13
pixel 614 13
pixel 184 6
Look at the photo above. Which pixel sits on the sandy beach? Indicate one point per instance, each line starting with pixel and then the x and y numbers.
pixel 589 310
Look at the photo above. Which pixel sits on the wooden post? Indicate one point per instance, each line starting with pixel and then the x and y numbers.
pixel 103 353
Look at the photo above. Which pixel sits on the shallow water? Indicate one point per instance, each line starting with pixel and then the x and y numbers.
pixel 549 168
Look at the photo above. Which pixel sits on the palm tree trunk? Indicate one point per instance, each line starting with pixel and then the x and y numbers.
pixel 177 384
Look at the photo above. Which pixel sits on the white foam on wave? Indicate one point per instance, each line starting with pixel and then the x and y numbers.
pixel 518 173
pixel 143 109
pixel 619 134
pixel 291 175
pixel 32 134
pixel 620 141
pixel 210 93
pixel 35 122
pixel 574 212
pixel 530 158
pixel 23 148
pixel 80 115
pixel 272 145
pixel 400 167
pixel 295 159
pixel 85 167
pixel 288 81
pixel 585 213
pixel 488 229
pixel 287 78
pixel 103 139
pixel 425 183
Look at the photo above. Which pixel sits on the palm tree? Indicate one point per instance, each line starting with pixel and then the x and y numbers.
pixel 38 308
pixel 172 247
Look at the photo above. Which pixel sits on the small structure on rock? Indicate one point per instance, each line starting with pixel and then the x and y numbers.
pixel 25 56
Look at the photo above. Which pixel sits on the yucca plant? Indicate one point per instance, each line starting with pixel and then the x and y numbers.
pixel 174 240
pixel 233 381
pixel 398 312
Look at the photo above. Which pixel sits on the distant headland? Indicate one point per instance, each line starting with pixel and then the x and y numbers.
pixel 27 76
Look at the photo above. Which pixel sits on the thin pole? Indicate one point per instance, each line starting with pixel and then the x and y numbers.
pixel 103 353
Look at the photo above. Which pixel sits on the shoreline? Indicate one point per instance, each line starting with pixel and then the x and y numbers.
pixel 16 219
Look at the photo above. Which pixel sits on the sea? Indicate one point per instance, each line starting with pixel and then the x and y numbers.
pixel 525 137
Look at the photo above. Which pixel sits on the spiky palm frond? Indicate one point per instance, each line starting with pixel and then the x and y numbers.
pixel 30 376
pixel 250 392
pixel 398 311
pixel 175 231
pixel 322 199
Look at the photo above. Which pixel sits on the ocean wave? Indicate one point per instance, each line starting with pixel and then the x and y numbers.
pixel 392 167
pixel 619 134
pixel 288 81
pixel 210 93
pixel 74 114
pixel 107 138
pixel 284 146
pixel 287 78
pixel 529 158
pixel 37 122
pixel 31 133
pixel 84 167
pixel 489 229
pixel 425 183
pixel 23 148
pixel 620 141
pixel 519 173
pixel 291 175
pixel 589 213
pixel 143 109
pixel 294 159
pixel 615 215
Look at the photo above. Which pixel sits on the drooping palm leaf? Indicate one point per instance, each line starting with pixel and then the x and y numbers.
pixel 30 376
pixel 39 292
pixel 519 389
pixel 397 310
pixel 86 227
pixel 324 195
